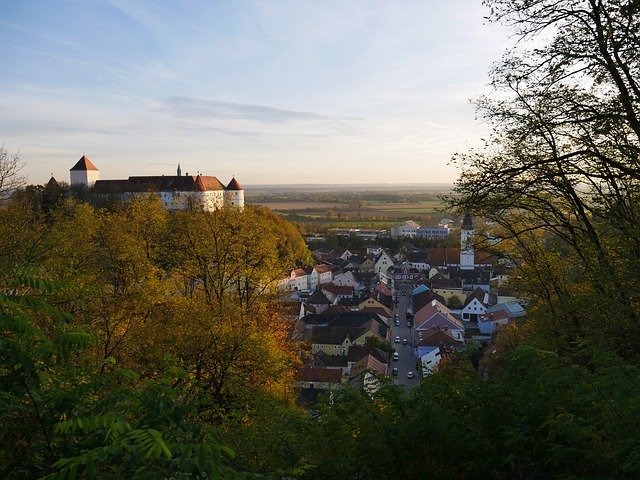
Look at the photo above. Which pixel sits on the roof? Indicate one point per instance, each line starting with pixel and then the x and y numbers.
pixel 422 299
pixel 299 272
pixel 162 183
pixel 313 374
pixel 443 256
pixel 382 289
pixel 319 298
pixel 435 314
pixel 84 164
pixel 358 352
pixel 322 268
pixel 338 289
pixel 477 294
pixel 513 309
pixel 437 337
pixel 234 185
pixel 368 363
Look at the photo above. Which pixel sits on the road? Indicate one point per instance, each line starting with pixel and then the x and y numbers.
pixel 407 358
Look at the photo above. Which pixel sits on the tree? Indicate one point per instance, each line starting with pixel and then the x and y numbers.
pixel 564 156
pixel 10 167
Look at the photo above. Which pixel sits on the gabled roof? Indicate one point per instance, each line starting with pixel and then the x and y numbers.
pixel 299 272
pixel 84 164
pixel 234 185
pixel 437 337
pixel 422 299
pixel 331 360
pixel 52 183
pixel 319 298
pixel 358 352
pixel 477 294
pixel 368 363
pixel 435 314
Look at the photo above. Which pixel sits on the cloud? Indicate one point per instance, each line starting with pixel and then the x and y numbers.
pixel 188 107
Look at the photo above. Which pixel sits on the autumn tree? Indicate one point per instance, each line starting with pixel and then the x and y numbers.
pixel 563 156
pixel 10 167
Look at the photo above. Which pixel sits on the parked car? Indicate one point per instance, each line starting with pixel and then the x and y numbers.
pixel 396 322
pixel 396 356
pixel 397 340
pixel 394 372
pixel 410 374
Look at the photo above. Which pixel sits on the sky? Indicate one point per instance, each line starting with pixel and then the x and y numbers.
pixel 271 91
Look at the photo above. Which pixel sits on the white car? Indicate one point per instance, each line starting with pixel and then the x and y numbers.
pixel 397 339
pixel 410 374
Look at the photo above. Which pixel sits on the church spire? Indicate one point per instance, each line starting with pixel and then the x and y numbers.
pixel 179 170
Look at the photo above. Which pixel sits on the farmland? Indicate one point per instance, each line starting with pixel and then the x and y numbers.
pixel 316 209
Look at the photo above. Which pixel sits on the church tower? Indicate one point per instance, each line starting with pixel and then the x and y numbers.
pixel 467 257
pixel 84 173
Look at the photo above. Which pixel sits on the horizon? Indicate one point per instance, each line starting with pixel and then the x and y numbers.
pixel 281 93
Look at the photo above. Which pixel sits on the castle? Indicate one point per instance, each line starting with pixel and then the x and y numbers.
pixel 176 192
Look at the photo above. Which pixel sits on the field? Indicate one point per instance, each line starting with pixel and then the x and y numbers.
pixel 317 210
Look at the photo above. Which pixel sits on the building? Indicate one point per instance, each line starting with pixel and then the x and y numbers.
pixel 407 229
pixel 432 233
pixel 467 257
pixel 176 192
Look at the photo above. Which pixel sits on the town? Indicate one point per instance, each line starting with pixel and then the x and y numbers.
pixel 368 315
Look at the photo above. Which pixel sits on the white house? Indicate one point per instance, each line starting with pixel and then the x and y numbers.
pixel 382 263
pixel 407 229
pixel 320 274
pixel 474 306
pixel 298 280
pixel 429 356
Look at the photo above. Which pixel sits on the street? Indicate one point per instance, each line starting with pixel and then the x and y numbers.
pixel 407 360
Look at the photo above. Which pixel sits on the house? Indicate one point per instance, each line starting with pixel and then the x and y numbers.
pixel 321 378
pixel 407 229
pixel 434 316
pixel 439 338
pixel 474 306
pixel 382 263
pixel 429 357
pixel 373 249
pixel 336 336
pixel 417 260
pixel 346 279
pixel 346 255
pixel 372 303
pixel 367 264
pixel 383 294
pixel 299 280
pixel 499 314
pixel 337 292
pixel 319 274
pixel 433 233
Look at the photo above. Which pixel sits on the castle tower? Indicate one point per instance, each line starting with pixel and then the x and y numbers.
pixel 467 257
pixel 234 194
pixel 84 173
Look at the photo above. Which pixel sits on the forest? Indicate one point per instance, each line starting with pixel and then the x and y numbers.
pixel 140 344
